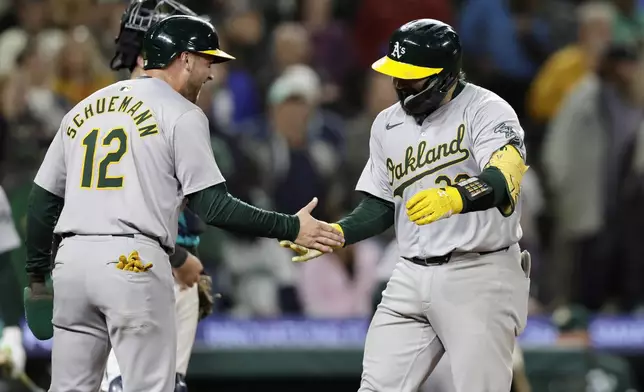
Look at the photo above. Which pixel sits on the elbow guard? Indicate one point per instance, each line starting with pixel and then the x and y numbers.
pixel 510 163
pixel 497 186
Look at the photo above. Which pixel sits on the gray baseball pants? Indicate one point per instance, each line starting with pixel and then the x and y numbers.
pixel 472 307
pixel 97 306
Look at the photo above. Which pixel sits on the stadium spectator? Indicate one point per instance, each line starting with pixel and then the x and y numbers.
pixel 340 284
pixel 378 95
pixel 579 367
pixel 299 146
pixel 80 68
pixel 566 67
pixel 505 42
pixel 32 27
pixel 587 152
pixel 375 20
pixel 629 24
pixel 32 111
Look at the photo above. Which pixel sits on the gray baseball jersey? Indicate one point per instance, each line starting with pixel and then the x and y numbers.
pixel 455 142
pixel 124 159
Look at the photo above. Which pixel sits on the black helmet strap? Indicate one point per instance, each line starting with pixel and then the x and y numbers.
pixel 429 98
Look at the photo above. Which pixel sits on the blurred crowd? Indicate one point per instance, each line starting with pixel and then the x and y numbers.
pixel 290 120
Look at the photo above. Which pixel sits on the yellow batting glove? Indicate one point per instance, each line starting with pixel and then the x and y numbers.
pixel 304 254
pixel 431 205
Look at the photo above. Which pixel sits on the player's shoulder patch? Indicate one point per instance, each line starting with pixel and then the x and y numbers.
pixel 509 131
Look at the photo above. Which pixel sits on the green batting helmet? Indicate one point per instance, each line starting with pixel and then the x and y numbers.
pixel 168 38
pixel 423 49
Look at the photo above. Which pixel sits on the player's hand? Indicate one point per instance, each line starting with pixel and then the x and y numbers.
pixel 12 351
pixel 189 273
pixel 303 254
pixel 315 234
pixel 431 205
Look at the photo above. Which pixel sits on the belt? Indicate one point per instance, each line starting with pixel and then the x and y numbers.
pixel 440 260
pixel 128 235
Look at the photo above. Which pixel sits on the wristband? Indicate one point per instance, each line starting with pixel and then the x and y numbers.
pixel 477 195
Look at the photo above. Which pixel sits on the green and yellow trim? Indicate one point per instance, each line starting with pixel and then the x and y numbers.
pixel 397 69
pixel 217 53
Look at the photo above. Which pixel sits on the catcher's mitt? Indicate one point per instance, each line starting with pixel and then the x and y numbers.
pixel 206 300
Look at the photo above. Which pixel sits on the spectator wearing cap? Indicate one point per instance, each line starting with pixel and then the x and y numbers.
pixel 587 153
pixel 579 367
pixel 300 146
pixel 572 323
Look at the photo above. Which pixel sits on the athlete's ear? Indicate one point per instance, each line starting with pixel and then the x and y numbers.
pixel 185 60
pixel 139 62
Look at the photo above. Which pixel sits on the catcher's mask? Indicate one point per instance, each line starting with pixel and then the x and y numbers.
pixel 139 16
pixel 422 50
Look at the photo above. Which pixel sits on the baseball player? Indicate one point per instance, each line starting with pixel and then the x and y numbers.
pixel 136 20
pixel 445 168
pixel 111 185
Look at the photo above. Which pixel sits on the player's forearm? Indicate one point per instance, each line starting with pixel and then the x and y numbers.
pixel 371 217
pixel 42 214
pixel 217 207
pixel 494 194
pixel 497 186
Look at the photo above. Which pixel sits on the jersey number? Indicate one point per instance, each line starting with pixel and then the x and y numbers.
pixel 448 181
pixel 90 141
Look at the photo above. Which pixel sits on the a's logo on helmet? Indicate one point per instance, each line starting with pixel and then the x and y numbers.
pixel 398 50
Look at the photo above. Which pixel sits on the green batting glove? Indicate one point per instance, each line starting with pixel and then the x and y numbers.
pixel 38 299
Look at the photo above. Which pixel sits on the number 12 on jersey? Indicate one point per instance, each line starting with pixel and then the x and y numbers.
pixel 90 142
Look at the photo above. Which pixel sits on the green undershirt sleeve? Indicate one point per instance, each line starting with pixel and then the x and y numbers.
pixel 43 211
pixel 371 217
pixel 217 207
